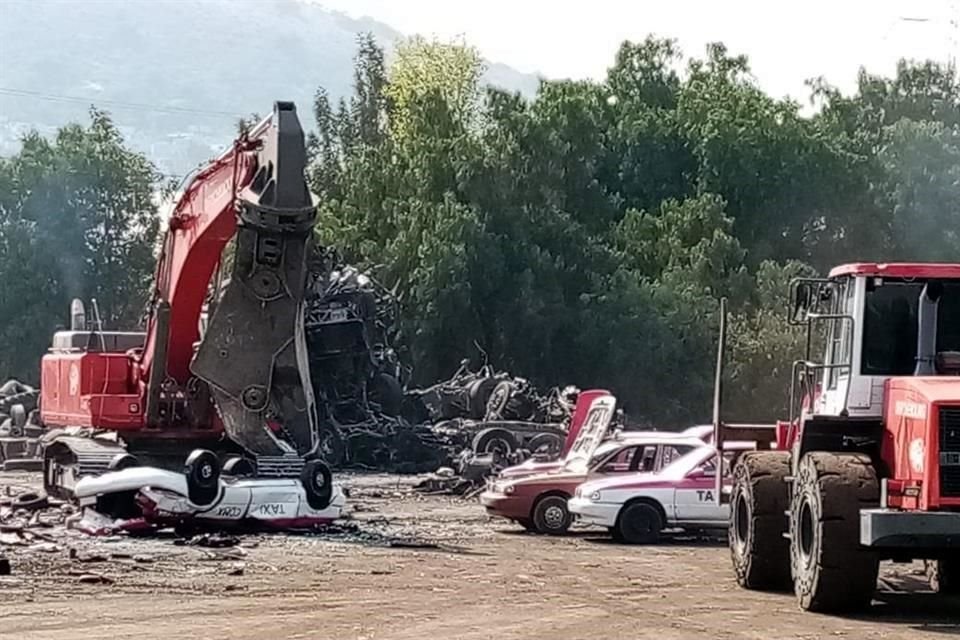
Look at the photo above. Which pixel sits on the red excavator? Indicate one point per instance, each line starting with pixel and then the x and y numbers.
pixel 236 399
pixel 867 465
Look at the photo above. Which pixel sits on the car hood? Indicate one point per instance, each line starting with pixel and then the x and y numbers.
pixel 598 416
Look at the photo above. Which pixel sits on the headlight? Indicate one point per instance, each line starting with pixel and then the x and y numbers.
pixel 508 489
pixel 595 496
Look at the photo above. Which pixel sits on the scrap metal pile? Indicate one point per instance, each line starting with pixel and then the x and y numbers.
pixel 20 427
pixel 369 422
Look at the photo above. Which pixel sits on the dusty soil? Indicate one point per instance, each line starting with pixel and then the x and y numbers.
pixel 420 567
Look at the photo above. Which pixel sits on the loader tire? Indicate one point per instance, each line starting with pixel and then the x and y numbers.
pixel 944 575
pixel 832 573
pixel 202 469
pixel 758 506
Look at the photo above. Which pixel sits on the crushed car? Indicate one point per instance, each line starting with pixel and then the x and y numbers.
pixel 136 498
pixel 636 508
pixel 538 501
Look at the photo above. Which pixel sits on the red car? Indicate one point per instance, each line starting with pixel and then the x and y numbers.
pixel 538 502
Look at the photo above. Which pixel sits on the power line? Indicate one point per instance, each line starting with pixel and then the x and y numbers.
pixel 117 104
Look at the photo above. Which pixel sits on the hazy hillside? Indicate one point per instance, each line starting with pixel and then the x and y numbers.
pixel 197 65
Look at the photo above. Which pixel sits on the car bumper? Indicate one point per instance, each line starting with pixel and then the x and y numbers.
pixel 890 528
pixel 504 506
pixel 601 514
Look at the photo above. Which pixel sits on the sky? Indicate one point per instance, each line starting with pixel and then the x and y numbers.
pixel 787 42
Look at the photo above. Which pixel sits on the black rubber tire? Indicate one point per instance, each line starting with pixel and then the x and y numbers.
pixel 385 390
pixel 944 575
pixel 122 461
pixel 550 442
pixel 831 572
pixel 640 523
pixel 30 501
pixel 551 516
pixel 478 393
pixel 202 469
pixel 494 439
pixel 527 525
pixel 615 534
pixel 758 504
pixel 317 481
pixel 239 467
pixel 498 400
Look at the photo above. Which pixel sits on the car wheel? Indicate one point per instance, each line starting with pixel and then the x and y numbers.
pixel 202 469
pixel 527 524
pixel 551 516
pixel 238 467
pixel 122 461
pixel 640 523
pixel 317 481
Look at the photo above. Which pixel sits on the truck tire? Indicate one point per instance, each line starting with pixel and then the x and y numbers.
pixel 831 572
pixel 549 443
pixel 758 504
pixel 551 516
pixel 639 523
pixel 494 439
pixel 202 469
pixel 944 575
pixel 478 393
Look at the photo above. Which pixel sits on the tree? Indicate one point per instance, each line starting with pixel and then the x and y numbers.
pixel 78 220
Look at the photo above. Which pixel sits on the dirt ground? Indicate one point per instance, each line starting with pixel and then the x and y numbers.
pixel 413 567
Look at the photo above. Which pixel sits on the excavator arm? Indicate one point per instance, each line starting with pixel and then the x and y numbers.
pixel 252 357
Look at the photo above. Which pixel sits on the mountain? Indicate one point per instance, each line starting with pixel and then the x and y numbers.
pixel 177 74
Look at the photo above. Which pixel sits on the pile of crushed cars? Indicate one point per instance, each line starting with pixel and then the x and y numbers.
pixel 20 428
pixel 474 420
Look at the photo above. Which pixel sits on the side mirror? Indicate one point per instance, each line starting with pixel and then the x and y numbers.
pixel 807 295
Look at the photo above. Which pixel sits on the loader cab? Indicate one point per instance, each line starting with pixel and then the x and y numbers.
pixel 872 322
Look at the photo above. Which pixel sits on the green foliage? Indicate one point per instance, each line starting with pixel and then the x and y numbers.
pixel 586 236
pixel 583 236
pixel 77 219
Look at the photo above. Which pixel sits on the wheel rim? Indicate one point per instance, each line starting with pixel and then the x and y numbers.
pixel 319 480
pixel 553 516
pixel 806 531
pixel 497 445
pixel 206 471
pixel 741 517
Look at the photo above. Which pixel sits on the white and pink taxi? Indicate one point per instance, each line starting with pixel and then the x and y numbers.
pixel 637 508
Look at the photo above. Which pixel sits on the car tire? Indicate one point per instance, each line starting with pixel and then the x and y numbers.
pixel 831 572
pixel 239 467
pixel 527 524
pixel 317 481
pixel 122 461
pixel 551 516
pixel 758 502
pixel 640 523
pixel 202 469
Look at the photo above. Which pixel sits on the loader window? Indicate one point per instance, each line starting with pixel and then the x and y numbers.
pixel 890 329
